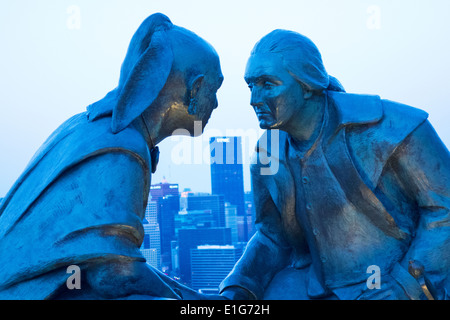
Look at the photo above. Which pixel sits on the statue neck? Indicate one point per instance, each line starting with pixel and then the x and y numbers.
pixel 149 129
pixel 305 125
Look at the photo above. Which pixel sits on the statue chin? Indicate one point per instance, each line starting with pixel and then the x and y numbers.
pixel 267 124
pixel 194 130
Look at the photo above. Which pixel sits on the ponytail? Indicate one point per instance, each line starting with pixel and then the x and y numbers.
pixel 335 85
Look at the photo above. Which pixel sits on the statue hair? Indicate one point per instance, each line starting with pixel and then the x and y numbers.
pixel 300 57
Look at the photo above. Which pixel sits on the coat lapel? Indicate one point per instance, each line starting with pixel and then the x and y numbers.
pixel 357 192
pixel 366 110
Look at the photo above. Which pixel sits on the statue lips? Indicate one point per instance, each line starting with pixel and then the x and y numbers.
pixel 263 115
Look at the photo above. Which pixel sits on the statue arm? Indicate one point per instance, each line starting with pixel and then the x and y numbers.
pixel 423 167
pixel 112 204
pixel 266 253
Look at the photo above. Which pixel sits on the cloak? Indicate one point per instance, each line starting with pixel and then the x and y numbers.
pixel 82 197
pixel 80 200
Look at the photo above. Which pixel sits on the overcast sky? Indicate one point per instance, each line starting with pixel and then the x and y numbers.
pixel 58 56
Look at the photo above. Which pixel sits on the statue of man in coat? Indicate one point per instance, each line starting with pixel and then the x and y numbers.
pixel 352 194
pixel 80 202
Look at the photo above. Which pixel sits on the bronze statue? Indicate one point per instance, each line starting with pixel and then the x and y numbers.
pixel 82 197
pixel 358 207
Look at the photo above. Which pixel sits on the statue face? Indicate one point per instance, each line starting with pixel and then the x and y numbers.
pixel 191 90
pixel 206 97
pixel 188 97
pixel 275 94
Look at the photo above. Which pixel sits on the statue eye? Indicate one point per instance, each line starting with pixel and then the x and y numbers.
pixel 268 85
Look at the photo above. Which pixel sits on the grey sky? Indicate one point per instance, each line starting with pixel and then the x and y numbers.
pixel 58 56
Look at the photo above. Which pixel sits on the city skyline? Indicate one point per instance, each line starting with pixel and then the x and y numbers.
pixel 193 231
pixel 61 56
pixel 197 237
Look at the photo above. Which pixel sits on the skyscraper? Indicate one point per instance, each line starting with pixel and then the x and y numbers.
pixel 211 204
pixel 168 208
pixel 167 198
pixel 151 247
pixel 251 214
pixel 162 189
pixel 151 212
pixel 227 175
pixel 231 221
pixel 210 264
pixel 191 238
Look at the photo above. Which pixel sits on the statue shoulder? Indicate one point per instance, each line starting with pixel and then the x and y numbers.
pixel 371 145
pixel 403 114
pixel 396 122
pixel 70 145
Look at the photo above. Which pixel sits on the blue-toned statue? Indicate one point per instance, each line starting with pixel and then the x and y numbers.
pixel 352 195
pixel 81 199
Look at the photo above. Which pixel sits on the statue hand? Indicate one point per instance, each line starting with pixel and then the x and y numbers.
pixel 190 294
pixel 390 289
pixel 237 293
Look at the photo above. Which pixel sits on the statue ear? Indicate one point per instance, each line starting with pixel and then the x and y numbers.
pixel 145 81
pixel 194 87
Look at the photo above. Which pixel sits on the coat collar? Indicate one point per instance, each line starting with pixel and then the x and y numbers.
pixel 349 109
pixel 356 108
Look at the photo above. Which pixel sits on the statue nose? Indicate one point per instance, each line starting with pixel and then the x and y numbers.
pixel 256 99
pixel 256 104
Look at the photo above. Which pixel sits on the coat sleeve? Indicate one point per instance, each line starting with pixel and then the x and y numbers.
pixel 116 204
pixel 423 167
pixel 267 251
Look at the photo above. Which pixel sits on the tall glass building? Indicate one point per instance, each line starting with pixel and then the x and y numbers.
pixel 191 238
pixel 212 206
pixel 210 264
pixel 227 174
pixel 167 199
pixel 151 247
pixel 232 221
